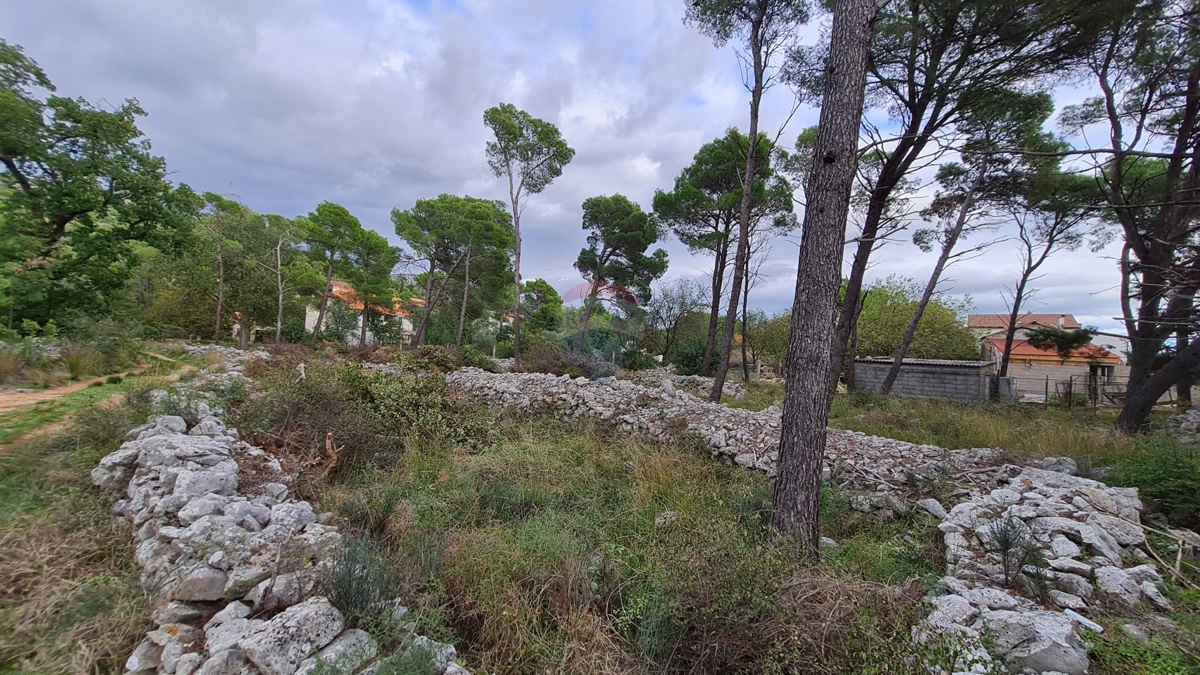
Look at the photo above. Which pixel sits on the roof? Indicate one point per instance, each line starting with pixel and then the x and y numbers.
pixel 924 362
pixel 342 291
pixel 1000 321
pixel 1023 350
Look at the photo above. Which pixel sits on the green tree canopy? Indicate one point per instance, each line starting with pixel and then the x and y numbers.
pixel 542 305
pixel 332 232
pixel 78 189
pixel 941 333
pixel 615 258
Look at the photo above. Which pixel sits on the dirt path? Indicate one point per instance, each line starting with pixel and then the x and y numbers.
pixel 17 400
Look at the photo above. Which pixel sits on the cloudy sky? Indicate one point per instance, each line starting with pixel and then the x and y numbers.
pixel 377 103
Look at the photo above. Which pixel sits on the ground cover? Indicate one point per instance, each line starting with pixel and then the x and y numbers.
pixel 535 545
pixel 70 601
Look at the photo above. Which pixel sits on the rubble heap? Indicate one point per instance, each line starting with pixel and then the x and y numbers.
pixel 697 385
pixel 232 557
pixel 735 436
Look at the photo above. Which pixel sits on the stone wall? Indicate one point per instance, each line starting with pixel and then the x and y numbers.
pixel 919 378
pixel 233 559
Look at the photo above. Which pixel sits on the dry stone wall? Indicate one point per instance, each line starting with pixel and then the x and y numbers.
pixel 231 556
pixel 1030 551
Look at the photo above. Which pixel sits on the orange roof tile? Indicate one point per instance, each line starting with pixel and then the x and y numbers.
pixel 1000 321
pixel 342 291
pixel 1023 350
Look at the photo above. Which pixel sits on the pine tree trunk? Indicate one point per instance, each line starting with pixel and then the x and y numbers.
pixel 516 212
pixel 362 330
pixel 462 314
pixel 947 248
pixel 1145 391
pixel 745 317
pixel 279 288
pixel 220 295
pixel 722 259
pixel 324 299
pixel 808 396
pixel 743 247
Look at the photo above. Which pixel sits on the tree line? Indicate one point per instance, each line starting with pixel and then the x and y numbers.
pixel 963 85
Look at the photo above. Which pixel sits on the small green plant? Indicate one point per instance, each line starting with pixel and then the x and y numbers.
pixel 637 360
pixel 30 327
pixel 114 379
pixel 370 508
pixel 1018 550
pixel 362 583
pixel 415 659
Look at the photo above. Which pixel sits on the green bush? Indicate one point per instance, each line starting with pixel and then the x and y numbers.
pixel 83 360
pixel 637 360
pixel 504 350
pixel 370 508
pixel 1167 474
pixel 294 330
pixel 688 356
pixel 361 582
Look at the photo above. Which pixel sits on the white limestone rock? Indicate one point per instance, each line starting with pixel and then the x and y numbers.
pixel 1115 582
pixel 280 645
pixel 1041 641
pixel 346 654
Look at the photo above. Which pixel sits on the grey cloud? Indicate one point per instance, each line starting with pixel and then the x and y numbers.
pixel 377 104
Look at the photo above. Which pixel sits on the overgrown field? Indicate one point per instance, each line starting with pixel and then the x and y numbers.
pixel 535 545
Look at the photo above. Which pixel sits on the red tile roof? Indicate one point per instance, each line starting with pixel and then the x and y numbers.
pixel 342 291
pixel 1023 350
pixel 1000 321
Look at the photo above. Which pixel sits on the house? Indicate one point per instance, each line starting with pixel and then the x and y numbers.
pixel 1088 369
pixel 343 292
pixel 983 325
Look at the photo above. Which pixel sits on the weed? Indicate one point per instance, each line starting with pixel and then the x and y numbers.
pixel 370 508
pixel 83 360
pixel 362 582
pixel 416 659
pixel 1166 473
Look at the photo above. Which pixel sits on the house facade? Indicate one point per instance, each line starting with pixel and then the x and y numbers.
pixel 1090 369
pixel 343 292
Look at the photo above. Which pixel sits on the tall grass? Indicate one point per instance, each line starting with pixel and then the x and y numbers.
pixel 83 361
pixel 70 600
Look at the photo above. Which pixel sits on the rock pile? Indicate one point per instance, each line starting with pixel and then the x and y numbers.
pixel 232 557
pixel 1074 543
pixel 735 436
pixel 1185 428
pixel 697 385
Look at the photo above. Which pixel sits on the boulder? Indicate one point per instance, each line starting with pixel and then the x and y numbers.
pixel 1041 641
pixel 199 584
pixel 285 641
pixel 1123 531
pixel 346 654
pixel 933 507
pixel 1061 465
pixel 1115 582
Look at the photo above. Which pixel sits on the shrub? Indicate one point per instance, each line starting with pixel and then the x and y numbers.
pixel 10 365
pixel 294 330
pixel 370 508
pixel 1166 473
pixel 637 360
pixel 114 379
pixel 688 356
pixel 83 360
pixel 362 583
pixel 504 350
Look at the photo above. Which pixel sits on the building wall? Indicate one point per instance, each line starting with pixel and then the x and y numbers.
pixel 951 382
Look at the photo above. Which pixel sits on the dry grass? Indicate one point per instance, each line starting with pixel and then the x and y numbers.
pixel 70 601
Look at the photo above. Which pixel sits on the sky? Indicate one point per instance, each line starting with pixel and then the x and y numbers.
pixel 374 104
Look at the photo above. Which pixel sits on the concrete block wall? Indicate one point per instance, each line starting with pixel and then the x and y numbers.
pixel 962 381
